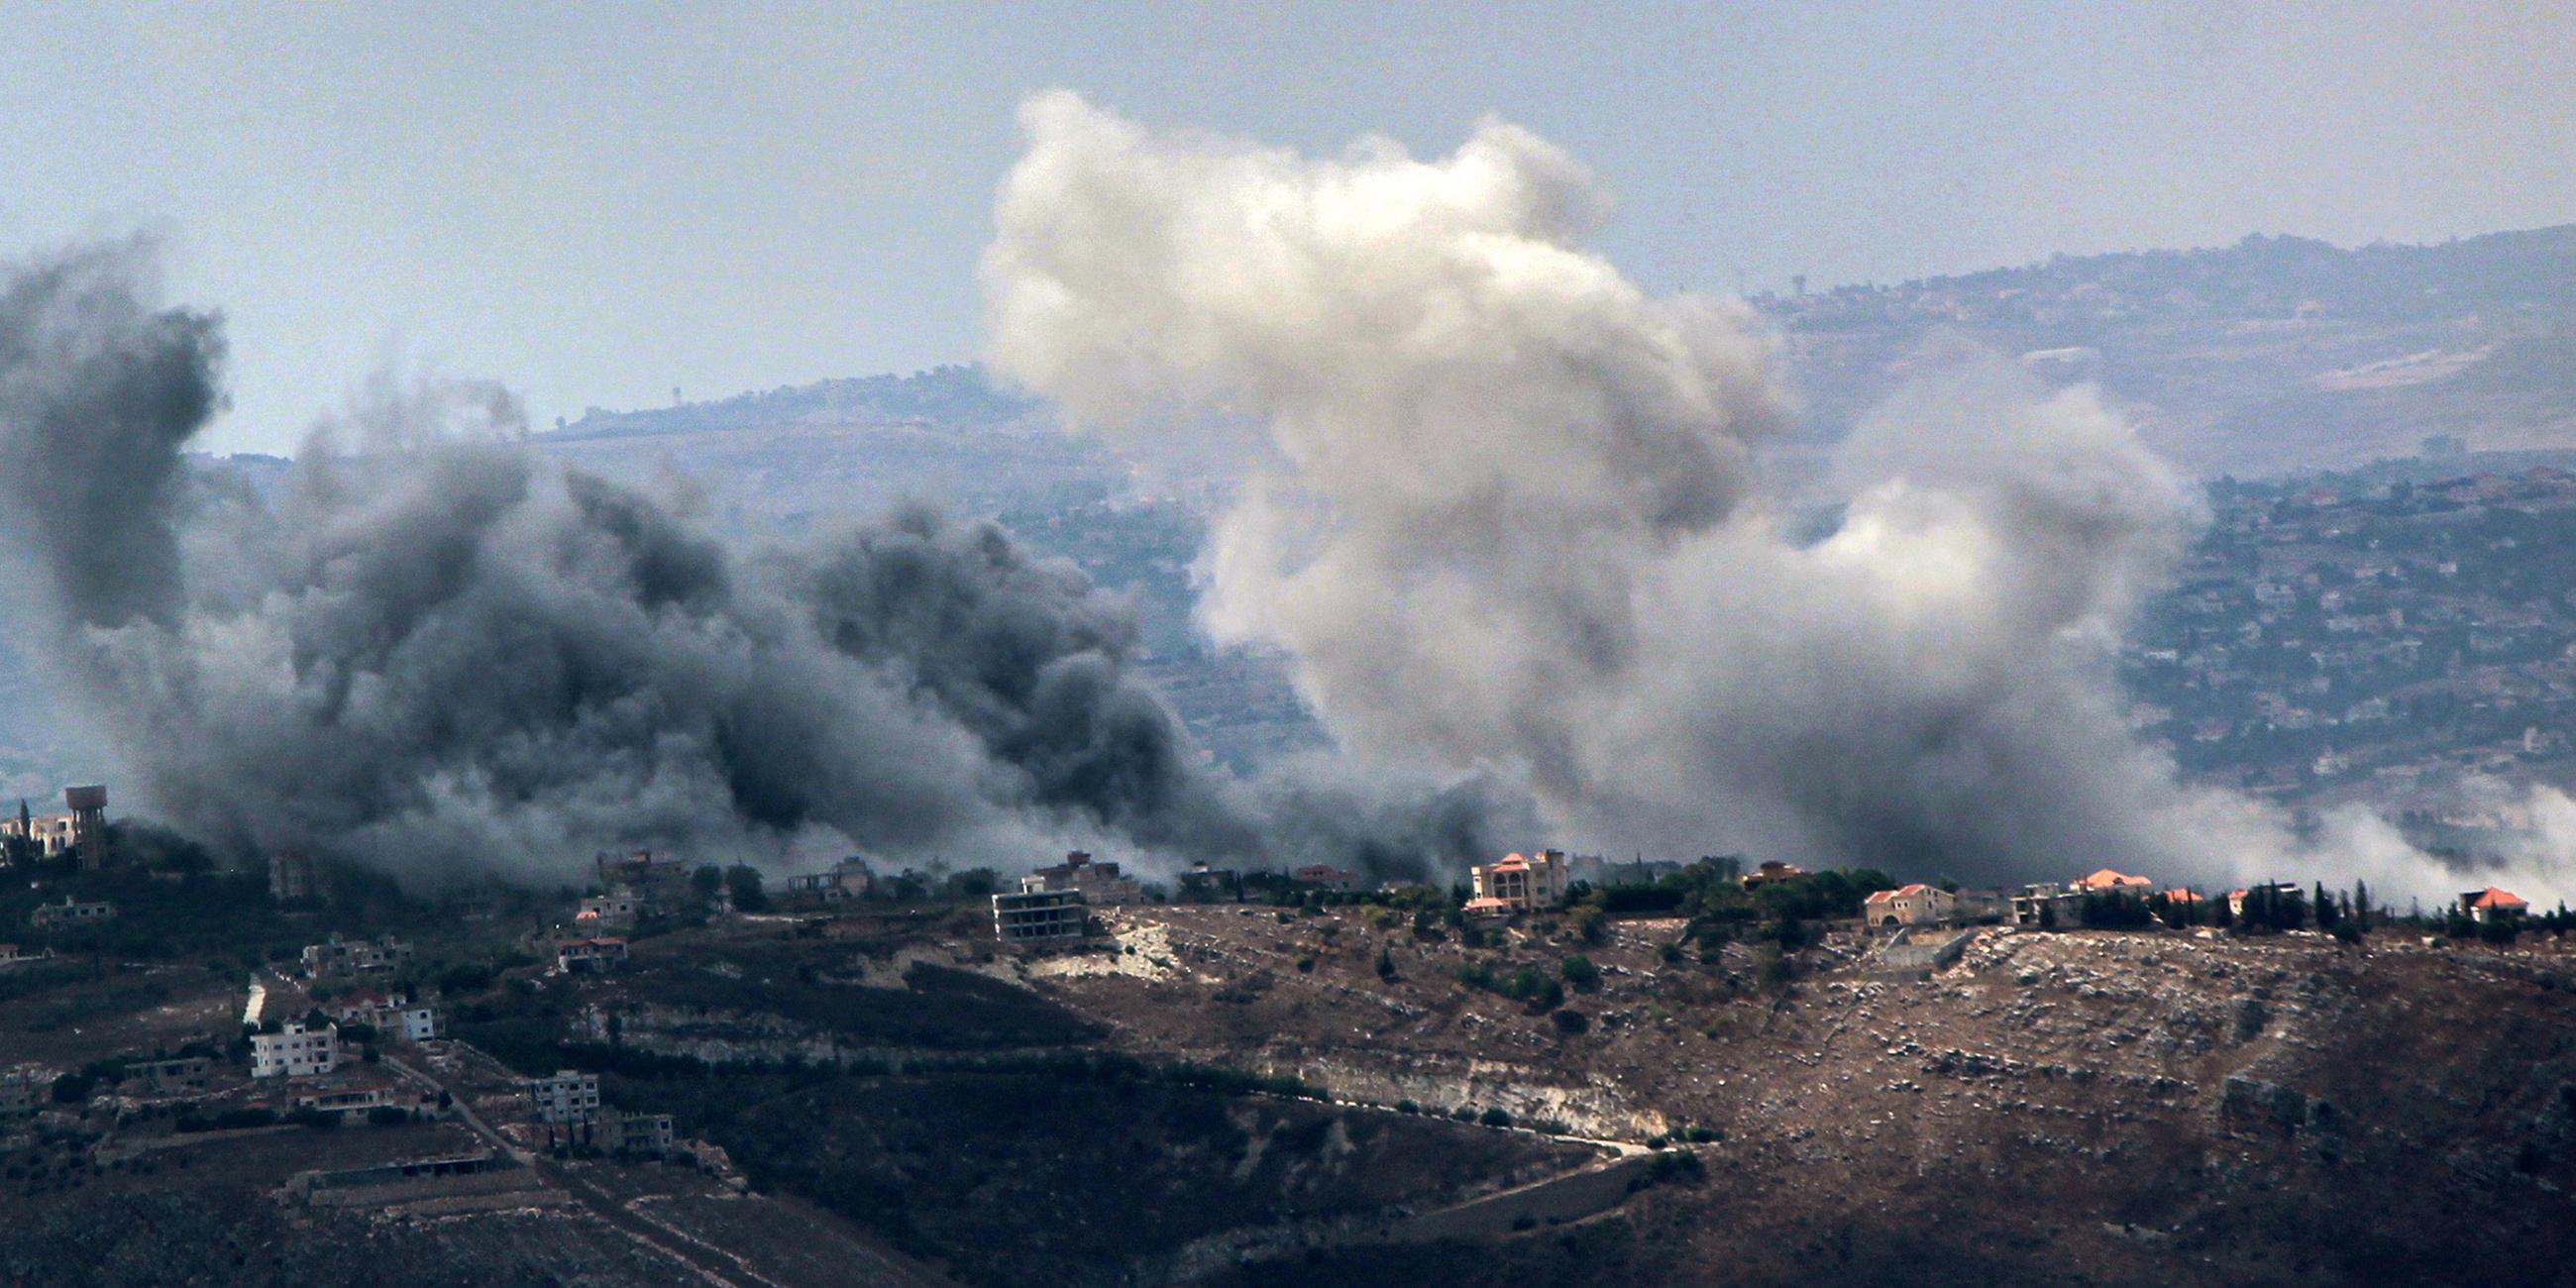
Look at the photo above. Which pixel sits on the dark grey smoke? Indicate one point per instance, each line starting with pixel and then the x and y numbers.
pixel 439 654
pixel 100 390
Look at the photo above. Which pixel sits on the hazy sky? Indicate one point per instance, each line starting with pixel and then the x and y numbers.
pixel 595 203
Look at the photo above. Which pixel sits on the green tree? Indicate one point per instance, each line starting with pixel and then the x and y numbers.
pixel 748 896
pixel 1580 971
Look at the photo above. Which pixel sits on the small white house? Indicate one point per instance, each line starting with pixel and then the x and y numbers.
pixel 295 1051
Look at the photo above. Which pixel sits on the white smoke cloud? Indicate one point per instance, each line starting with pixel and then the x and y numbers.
pixel 1510 518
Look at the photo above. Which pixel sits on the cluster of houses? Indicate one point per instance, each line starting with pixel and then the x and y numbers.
pixel 569 1107
pixel 1052 903
pixel 2050 903
pixel 310 1058
pixel 309 1063
pixel 633 887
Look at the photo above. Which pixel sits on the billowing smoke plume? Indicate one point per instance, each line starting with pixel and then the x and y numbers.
pixel 1510 516
pixel 437 653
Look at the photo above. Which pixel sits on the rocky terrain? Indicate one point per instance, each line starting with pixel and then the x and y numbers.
pixel 2092 1107
pixel 1366 1094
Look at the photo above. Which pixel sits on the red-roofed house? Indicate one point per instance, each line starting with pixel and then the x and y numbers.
pixel 2107 879
pixel 1914 905
pixel 2492 904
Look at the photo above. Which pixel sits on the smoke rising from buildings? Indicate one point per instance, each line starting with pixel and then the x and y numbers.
pixel 1508 515
pixel 440 654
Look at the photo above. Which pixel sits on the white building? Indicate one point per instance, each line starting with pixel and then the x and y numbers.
pixel 295 1051
pixel 397 1018
pixel 1519 883
pixel 1914 905
pixel 569 1096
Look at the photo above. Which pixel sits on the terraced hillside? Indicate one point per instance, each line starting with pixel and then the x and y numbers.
pixel 2092 1107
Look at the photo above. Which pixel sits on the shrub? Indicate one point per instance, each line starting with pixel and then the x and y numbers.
pixel 227 1120
pixel 1306 965
pixel 1407 1107
pixel 1580 971
pixel 388 1115
pixel 1658 1142
pixel 1571 1022
pixel 1495 1117
pixel 1702 1135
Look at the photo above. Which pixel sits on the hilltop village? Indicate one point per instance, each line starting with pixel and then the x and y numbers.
pixel 2383 637
pixel 675 1062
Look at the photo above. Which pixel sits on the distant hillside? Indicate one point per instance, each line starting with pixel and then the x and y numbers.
pixel 798 456
pixel 2258 277
pixel 947 396
pixel 2272 355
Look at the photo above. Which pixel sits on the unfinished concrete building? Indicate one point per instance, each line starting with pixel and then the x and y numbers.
pixel 1040 916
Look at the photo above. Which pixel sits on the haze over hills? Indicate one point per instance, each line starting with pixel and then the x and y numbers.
pixel 2276 354
pixel 2273 355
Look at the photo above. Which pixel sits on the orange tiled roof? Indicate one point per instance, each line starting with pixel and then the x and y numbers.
pixel 2107 878
pixel 2492 897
